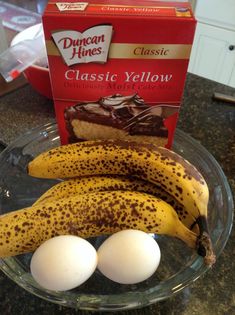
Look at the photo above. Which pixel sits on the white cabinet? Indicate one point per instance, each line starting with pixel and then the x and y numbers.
pixel 213 54
pixel 216 12
pixel 232 79
pixel 213 51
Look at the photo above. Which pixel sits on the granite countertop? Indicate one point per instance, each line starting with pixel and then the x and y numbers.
pixel 210 122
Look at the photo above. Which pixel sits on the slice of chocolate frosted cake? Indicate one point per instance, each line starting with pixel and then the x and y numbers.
pixel 118 117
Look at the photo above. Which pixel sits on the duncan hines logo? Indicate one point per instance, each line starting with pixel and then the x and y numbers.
pixel 92 45
pixel 74 6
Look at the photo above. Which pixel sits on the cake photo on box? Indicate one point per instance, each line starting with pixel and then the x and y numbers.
pixel 120 117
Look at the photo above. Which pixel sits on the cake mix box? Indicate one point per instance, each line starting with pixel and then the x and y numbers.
pixel 118 68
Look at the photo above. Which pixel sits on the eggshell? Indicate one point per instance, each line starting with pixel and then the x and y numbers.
pixel 129 256
pixel 63 262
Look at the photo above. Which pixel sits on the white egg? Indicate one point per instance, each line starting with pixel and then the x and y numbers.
pixel 63 262
pixel 128 256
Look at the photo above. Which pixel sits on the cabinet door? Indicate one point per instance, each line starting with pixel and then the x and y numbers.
pixel 232 79
pixel 213 53
pixel 216 12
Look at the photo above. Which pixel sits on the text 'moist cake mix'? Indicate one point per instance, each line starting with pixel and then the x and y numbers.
pixel 118 68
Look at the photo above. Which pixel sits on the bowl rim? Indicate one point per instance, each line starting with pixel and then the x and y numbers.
pixel 131 299
pixel 39 68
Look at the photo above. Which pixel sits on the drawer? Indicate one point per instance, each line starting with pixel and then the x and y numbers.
pixel 216 12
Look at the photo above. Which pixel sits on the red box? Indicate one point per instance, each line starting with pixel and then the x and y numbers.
pixel 118 68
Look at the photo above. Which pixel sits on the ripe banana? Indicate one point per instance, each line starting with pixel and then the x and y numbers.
pixel 84 185
pixel 89 215
pixel 146 161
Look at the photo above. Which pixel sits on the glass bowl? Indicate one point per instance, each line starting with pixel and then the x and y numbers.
pixel 179 267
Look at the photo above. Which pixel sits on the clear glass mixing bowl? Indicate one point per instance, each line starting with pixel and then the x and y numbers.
pixel 179 265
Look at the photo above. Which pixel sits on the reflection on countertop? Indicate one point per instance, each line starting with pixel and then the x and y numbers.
pixel 208 121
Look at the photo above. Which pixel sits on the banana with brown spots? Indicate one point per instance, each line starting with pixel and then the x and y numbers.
pixel 146 161
pixel 89 215
pixel 88 184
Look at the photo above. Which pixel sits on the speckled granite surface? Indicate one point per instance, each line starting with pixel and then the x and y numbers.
pixel 210 122
pixel 21 111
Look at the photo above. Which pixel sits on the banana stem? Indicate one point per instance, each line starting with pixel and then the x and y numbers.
pixel 205 247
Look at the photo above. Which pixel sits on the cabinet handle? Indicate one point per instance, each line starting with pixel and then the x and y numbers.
pixel 231 47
